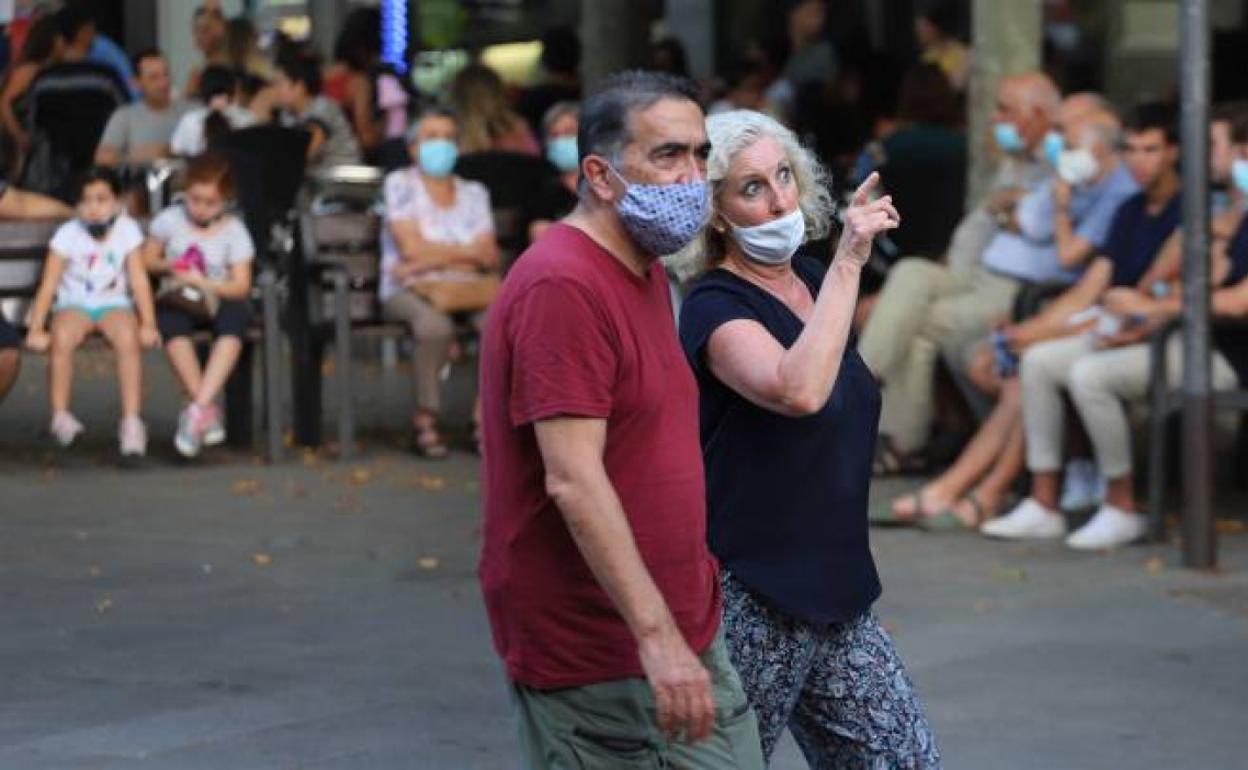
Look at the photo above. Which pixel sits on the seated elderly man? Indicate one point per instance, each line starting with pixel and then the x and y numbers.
pixel 1073 360
pixel 139 132
pixel 927 309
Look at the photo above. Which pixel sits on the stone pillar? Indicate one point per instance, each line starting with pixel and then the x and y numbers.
pixel 614 37
pixel 692 22
pixel 1006 39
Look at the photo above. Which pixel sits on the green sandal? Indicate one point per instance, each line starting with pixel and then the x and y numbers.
pixel 945 520
pixel 885 516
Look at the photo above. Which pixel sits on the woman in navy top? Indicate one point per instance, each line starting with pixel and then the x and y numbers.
pixel 788 422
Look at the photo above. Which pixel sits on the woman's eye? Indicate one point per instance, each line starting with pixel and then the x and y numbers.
pixel 750 189
pixel 785 175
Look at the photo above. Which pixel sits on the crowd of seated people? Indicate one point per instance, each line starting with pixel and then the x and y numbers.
pixel 1083 202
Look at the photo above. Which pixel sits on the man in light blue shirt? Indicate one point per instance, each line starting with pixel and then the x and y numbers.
pixel 1060 224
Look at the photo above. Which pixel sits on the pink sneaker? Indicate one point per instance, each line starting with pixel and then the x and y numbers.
pixel 190 436
pixel 65 428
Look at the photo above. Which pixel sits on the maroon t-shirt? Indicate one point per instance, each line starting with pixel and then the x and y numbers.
pixel 575 333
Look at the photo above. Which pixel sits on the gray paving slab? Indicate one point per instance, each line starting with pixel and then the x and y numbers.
pixel 318 614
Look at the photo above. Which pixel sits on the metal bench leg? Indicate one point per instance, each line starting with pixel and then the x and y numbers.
pixel 1159 415
pixel 238 406
pixel 342 352
pixel 272 356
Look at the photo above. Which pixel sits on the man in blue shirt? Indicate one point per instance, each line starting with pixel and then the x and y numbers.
pixel 1077 329
pixel 927 309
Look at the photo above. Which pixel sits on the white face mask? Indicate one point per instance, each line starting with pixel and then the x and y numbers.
pixel 1077 167
pixel 774 242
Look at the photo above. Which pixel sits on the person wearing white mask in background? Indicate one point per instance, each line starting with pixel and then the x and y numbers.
pixel 436 223
pixel 767 331
pixel 927 307
pixel 1061 350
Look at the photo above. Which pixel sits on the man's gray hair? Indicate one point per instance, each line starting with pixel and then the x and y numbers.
pixel 604 116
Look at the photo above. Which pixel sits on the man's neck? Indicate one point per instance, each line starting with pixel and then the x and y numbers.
pixel 1160 192
pixel 602 225
pixel 157 105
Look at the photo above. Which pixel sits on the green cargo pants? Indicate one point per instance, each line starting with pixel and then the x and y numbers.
pixel 613 726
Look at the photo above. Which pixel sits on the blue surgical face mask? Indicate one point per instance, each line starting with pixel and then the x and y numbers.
pixel 561 151
pixel 1054 144
pixel 663 218
pixel 1007 137
pixel 437 157
pixel 1239 175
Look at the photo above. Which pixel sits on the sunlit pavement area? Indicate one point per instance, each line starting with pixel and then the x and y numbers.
pixel 319 614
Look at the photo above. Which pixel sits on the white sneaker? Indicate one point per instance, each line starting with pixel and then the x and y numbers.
pixel 214 431
pixel 132 435
pixel 1028 521
pixel 1109 528
pixel 1083 486
pixel 65 428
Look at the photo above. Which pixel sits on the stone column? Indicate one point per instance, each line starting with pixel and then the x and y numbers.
pixel 1006 40
pixel 614 37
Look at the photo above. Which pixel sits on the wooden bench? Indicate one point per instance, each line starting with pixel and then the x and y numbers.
pixel 23 249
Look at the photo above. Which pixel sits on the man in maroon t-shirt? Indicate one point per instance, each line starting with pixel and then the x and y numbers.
pixel 601 592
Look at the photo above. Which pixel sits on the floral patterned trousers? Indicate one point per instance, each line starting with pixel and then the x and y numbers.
pixel 840 688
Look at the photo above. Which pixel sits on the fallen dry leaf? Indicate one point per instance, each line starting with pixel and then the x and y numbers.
pixel 245 487
pixel 103 605
pixel 94 571
pixel 1013 574
pixel 262 559
pixel 430 483
pixel 1230 527
pixel 428 562
pixel 361 476
pixel 1155 565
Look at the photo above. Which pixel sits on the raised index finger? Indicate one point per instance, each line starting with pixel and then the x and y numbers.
pixel 863 193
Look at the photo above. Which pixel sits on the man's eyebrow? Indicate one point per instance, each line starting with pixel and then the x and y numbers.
pixel 670 148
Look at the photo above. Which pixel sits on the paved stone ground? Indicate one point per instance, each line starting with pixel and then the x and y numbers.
pixel 318 614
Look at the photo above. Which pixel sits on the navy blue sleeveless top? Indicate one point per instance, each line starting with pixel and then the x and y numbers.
pixel 1232 342
pixel 787 496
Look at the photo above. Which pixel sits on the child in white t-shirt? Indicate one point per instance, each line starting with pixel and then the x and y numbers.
pixel 198 243
pixel 94 281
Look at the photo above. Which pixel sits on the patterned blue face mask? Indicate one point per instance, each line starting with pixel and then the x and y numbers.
pixel 663 218
pixel 561 152
pixel 437 157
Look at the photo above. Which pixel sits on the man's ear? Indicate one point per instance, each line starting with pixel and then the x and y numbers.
pixel 598 176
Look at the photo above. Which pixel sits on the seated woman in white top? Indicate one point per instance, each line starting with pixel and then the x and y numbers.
pixel 435 223
pixel 196 131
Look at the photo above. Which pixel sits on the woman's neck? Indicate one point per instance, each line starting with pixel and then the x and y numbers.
pixel 775 277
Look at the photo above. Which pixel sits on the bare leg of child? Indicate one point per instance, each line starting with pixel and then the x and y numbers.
pixel 181 352
pixel 68 329
pixel 221 361
pixel 10 366
pixel 121 329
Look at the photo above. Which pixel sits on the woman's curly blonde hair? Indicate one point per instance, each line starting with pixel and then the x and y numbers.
pixel 729 134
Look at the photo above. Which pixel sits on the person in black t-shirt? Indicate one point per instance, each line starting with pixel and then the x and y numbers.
pixel 558 195
pixel 788 424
